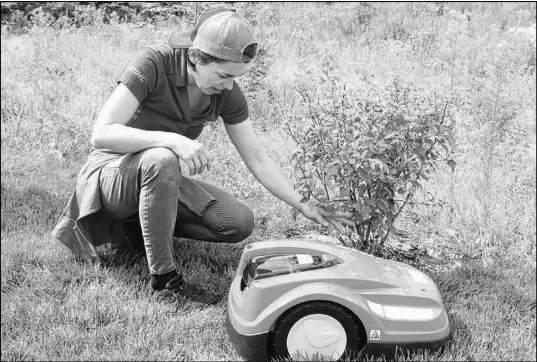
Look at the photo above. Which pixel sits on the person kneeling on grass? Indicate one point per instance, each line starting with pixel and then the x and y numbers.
pixel 132 185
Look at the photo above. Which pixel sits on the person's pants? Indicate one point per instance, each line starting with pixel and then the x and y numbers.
pixel 148 183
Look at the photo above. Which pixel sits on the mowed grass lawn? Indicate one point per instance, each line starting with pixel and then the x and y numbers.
pixel 55 307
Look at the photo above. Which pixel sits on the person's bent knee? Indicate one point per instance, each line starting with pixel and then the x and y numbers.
pixel 162 156
pixel 243 225
pixel 161 162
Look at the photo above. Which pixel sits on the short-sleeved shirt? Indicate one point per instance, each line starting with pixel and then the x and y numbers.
pixel 157 76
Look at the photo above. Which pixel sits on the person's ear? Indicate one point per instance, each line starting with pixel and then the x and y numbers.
pixel 193 55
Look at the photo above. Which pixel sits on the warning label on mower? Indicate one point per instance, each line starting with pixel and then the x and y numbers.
pixel 374 335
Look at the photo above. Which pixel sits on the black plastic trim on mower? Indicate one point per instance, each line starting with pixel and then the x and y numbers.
pixel 252 348
pixel 390 350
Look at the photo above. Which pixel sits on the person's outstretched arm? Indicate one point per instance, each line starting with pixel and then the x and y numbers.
pixel 271 176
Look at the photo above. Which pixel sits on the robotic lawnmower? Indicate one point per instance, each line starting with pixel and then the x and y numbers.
pixel 310 299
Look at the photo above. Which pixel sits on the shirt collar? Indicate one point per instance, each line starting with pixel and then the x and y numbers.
pixel 181 66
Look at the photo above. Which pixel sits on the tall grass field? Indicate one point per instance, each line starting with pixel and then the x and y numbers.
pixel 480 248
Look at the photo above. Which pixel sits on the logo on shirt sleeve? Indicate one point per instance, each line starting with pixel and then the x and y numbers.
pixel 137 73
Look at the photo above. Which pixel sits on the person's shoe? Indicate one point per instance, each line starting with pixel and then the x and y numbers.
pixel 170 281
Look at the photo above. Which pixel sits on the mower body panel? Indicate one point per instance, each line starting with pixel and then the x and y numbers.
pixel 270 280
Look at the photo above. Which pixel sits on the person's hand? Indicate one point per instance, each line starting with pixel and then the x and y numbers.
pixel 324 217
pixel 193 153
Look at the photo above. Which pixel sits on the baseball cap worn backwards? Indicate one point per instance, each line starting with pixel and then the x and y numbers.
pixel 220 32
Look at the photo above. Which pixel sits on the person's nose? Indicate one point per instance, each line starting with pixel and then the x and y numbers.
pixel 228 83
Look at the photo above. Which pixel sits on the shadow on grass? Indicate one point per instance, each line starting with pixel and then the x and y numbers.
pixel 31 207
pixel 473 280
pixel 472 291
pixel 208 270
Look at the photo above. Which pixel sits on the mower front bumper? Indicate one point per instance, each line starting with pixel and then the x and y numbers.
pixel 252 348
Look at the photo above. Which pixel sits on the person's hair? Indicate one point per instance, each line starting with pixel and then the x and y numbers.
pixel 248 54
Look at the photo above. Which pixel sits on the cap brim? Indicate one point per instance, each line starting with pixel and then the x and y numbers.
pixel 180 40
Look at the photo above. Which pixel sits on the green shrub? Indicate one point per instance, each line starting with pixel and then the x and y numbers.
pixel 369 155
pixel 17 17
pixel 254 79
